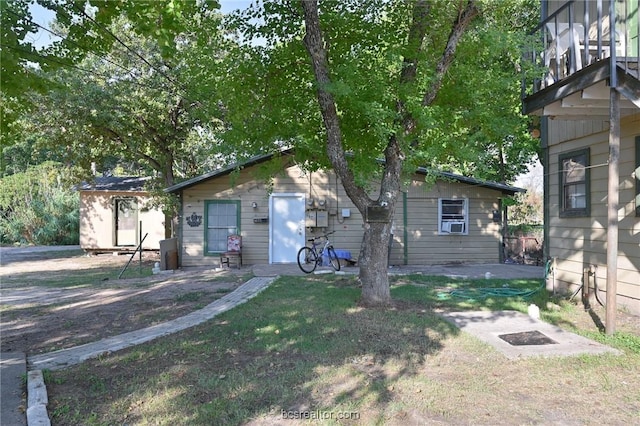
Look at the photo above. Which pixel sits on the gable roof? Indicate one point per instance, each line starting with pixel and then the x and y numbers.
pixel 111 183
pixel 505 189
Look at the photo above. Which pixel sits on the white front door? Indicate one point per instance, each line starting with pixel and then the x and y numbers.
pixel 286 227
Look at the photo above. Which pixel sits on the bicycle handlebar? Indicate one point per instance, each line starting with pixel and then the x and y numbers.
pixel 321 236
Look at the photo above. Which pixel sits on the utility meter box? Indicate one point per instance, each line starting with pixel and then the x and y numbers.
pixel 322 219
pixel 317 218
pixel 310 219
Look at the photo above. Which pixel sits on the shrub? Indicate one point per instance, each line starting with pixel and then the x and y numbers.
pixel 40 206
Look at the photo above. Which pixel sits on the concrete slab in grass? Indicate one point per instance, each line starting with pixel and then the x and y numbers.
pixel 490 326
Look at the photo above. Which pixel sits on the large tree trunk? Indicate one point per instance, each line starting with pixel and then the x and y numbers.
pixel 374 263
pixel 373 257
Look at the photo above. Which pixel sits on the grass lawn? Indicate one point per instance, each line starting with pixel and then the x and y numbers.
pixel 303 352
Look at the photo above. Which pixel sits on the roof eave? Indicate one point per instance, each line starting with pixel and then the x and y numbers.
pixel 504 188
pixel 222 172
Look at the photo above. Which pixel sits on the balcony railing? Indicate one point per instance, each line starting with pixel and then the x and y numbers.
pixel 579 33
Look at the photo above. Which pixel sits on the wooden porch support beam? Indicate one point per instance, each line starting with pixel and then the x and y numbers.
pixel 612 210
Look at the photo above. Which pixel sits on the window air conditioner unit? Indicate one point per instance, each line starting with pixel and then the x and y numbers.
pixel 453 227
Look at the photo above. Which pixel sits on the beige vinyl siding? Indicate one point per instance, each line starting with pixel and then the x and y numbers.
pixel 240 188
pixel 97 220
pixel 567 131
pixel 322 185
pixel 424 245
pixel 316 185
pixel 577 243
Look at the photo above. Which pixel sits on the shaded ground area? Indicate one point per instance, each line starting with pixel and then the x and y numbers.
pixel 307 347
pixel 92 303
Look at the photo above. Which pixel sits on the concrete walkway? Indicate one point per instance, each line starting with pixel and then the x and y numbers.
pixel 493 327
pixel 12 402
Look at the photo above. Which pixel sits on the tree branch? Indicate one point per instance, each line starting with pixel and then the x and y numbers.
pixel 152 132
pixel 115 136
pixel 417 33
pixel 408 75
pixel 315 46
pixel 461 23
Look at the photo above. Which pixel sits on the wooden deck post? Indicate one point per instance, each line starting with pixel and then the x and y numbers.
pixel 612 210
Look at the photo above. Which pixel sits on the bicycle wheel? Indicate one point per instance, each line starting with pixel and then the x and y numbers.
pixel 307 260
pixel 333 258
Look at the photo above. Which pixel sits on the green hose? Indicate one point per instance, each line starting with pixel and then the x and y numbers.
pixel 487 292
pixel 505 291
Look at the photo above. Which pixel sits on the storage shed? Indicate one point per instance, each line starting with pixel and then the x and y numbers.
pixel 116 213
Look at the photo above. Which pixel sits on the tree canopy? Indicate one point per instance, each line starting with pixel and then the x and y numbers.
pixel 38 205
pixel 473 116
pixel 139 111
pixel 116 83
pixel 263 81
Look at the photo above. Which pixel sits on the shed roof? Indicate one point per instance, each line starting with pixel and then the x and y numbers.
pixel 111 183
pixel 505 189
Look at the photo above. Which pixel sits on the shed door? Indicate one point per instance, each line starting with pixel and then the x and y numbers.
pixel 286 227
pixel 126 219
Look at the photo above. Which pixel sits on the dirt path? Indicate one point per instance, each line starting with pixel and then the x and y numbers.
pixel 37 317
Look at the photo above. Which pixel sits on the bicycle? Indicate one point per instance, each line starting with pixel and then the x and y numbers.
pixel 309 257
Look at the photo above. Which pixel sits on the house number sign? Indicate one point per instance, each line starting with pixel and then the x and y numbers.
pixel 194 220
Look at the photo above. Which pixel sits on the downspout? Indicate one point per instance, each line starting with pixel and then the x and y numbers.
pixel 505 227
pixel 544 141
pixel 503 206
pixel 544 156
pixel 502 249
pixel 546 181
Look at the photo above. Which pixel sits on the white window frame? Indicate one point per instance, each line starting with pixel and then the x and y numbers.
pixel 575 184
pixel 445 216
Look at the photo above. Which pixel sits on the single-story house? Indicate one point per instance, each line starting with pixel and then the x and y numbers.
pixel 590 134
pixel 454 220
pixel 116 214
